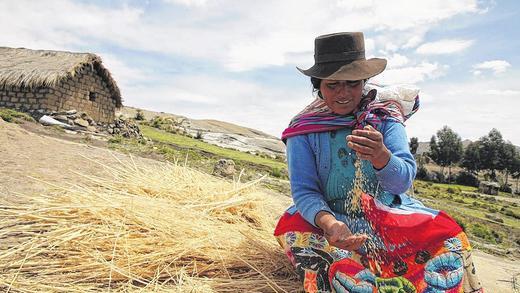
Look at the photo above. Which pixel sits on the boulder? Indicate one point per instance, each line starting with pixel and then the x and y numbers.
pixel 224 168
pixel 81 122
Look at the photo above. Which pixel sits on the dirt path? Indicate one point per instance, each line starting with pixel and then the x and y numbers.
pixel 24 154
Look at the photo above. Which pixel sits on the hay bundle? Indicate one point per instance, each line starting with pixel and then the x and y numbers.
pixel 160 227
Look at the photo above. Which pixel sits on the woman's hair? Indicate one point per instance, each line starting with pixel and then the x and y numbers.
pixel 316 82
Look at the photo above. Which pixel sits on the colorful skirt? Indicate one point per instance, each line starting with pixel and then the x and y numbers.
pixel 420 252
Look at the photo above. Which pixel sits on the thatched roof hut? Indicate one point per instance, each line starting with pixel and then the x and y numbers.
pixel 67 75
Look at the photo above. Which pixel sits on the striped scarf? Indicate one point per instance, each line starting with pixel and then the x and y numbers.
pixel 373 110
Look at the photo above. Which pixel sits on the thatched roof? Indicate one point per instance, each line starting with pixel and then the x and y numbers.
pixel 22 67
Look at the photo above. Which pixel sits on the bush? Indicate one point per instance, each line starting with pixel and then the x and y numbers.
pixel 438 177
pixel 422 173
pixel 115 139
pixel 494 218
pixel 483 232
pixel 505 188
pixel 10 115
pixel 509 213
pixel 492 209
pixel 466 178
pixel 139 115
pixel 453 190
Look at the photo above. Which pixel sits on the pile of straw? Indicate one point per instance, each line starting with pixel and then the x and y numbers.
pixel 144 228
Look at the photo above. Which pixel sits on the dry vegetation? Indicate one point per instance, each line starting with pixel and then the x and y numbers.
pixel 162 227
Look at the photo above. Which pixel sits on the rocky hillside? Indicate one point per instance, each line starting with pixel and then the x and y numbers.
pixel 220 133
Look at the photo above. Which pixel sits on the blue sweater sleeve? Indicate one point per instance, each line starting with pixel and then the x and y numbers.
pixel 303 175
pixel 397 176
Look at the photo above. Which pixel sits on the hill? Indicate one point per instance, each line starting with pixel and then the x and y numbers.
pixel 220 133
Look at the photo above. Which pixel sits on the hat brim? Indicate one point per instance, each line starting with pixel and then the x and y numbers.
pixel 355 70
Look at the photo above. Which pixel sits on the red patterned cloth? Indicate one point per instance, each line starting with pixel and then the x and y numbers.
pixel 425 253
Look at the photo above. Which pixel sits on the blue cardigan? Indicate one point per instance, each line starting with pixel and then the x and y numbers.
pixel 308 159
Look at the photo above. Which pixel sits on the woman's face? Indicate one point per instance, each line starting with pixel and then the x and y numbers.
pixel 342 96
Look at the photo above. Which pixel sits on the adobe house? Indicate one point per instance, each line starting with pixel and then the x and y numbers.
pixel 57 81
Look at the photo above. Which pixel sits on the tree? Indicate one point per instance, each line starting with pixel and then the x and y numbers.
pixel 414 144
pixel 446 149
pixel 507 160
pixel 515 171
pixel 492 148
pixel 471 159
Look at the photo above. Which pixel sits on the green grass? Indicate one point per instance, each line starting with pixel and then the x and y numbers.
pixel 188 142
pixel 10 115
pixel 486 219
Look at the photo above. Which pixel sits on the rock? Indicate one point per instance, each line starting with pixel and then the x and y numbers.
pixel 91 128
pixel 81 122
pixel 61 118
pixel 71 112
pixel 111 130
pixel 48 120
pixel 224 168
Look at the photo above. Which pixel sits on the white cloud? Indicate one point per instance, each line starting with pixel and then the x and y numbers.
pixel 471 108
pixel 497 66
pixel 188 2
pixel 411 74
pixel 244 103
pixel 503 92
pixel 447 46
pixel 397 60
pixel 242 36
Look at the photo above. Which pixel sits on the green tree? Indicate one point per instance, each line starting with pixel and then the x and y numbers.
pixel 471 159
pixel 446 149
pixel 515 172
pixel 491 150
pixel 508 160
pixel 414 144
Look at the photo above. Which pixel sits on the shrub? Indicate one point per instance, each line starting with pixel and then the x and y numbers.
pixel 459 200
pixel 492 209
pixel 494 218
pixel 505 188
pixel 453 190
pixel 10 115
pixel 422 173
pixel 139 115
pixel 115 139
pixel 509 213
pixel 483 232
pixel 466 178
pixel 438 177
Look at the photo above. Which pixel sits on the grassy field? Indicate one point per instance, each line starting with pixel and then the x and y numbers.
pixel 491 223
pixel 197 144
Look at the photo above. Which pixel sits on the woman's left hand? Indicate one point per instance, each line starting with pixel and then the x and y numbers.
pixel 368 144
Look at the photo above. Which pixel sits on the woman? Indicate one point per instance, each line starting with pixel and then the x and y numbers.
pixel 353 228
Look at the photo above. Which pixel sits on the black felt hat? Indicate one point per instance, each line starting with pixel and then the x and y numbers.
pixel 341 56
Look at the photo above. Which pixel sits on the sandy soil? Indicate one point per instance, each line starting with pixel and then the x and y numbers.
pixel 26 156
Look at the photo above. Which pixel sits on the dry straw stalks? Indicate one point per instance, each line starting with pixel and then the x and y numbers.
pixel 161 227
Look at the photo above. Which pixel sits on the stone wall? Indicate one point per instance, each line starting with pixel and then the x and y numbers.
pixel 85 92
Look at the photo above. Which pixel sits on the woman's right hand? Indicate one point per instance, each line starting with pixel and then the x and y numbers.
pixel 338 234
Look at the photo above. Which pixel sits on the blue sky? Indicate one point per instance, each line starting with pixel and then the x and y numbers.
pixel 235 60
